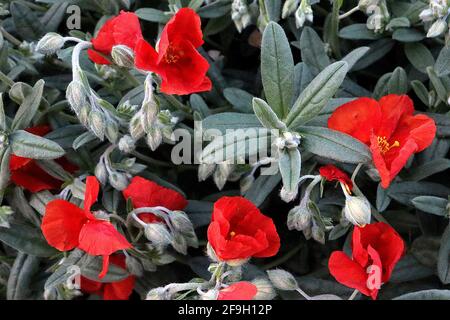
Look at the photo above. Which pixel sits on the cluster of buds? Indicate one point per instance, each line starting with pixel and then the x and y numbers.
pixel 150 121
pixel 304 218
pixel 119 174
pixel 175 229
pixel 240 14
pixel 302 9
pixel 221 172
pixel 436 16
pixel 376 10
pixel 287 140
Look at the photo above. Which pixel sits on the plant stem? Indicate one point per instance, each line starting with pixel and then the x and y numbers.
pixel 354 294
pixel 6 79
pixel 10 37
pixel 349 13
pixel 304 294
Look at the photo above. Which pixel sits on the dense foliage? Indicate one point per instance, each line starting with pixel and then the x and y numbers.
pixel 224 149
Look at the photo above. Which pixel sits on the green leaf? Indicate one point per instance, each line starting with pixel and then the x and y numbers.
pixel 334 145
pixel 408 35
pixel 428 169
pixel 152 15
pixel 215 9
pixel 277 69
pixel 2 114
pixel 26 239
pixel 29 107
pixel 442 66
pixel 312 100
pixel 358 31
pixel 437 84
pixel 261 188
pixel 421 91
pixel 266 116
pixel 27 145
pixel 240 99
pixel 5 156
pixel 404 192
pixel 355 55
pixel 398 83
pixel 383 199
pixel 432 294
pixel 290 164
pixel 92 269
pixel 26 22
pixel 443 266
pixel 230 121
pixel 419 56
pixel 378 49
pixel 313 50
pixel 20 278
pixel 430 204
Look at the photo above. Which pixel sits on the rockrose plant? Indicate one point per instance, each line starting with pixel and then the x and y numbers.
pixel 224 150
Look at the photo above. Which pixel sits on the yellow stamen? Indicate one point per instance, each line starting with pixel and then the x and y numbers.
pixel 385 146
pixel 232 234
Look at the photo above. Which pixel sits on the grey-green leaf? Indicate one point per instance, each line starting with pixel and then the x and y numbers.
pixel 28 107
pixel 277 69
pixel 266 115
pixel 27 145
pixel 312 100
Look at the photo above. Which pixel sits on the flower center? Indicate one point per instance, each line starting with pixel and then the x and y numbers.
pixel 173 54
pixel 385 146
pixel 232 234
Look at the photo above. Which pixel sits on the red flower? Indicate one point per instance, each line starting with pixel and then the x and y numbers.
pixel 331 173
pixel 119 290
pixel 176 60
pixel 376 250
pixel 65 227
pixel 145 193
pixel 388 127
pixel 27 173
pixel 238 230
pixel 243 290
pixel 121 30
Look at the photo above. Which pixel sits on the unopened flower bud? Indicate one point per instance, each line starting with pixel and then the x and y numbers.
pixel 357 210
pixel 180 221
pixel 50 43
pixel 118 181
pixel 205 170
pixel 210 295
pixel 83 114
pixel 288 195
pixel 246 183
pixel 154 138
pixel 112 131
pixel 318 234
pixel 179 243
pixel 427 15
pixel 158 234
pixel 282 279
pixel 97 124
pixel 265 290
pixel 437 28
pixel 101 173
pixel 211 253
pixel 75 95
pixel 123 56
pixel 3 140
pixel 136 129
pixel 127 144
pixel 156 294
pixel 289 7
pixel 363 5
pixel 300 217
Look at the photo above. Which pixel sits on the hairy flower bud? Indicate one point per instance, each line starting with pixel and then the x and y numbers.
pixel 205 170
pixel 75 95
pixel 318 234
pixel 154 138
pixel 304 13
pixel 300 217
pixel 101 173
pixel 134 266
pixel 50 43
pixel 180 221
pixel 282 280
pixel 265 290
pixel 127 144
pixel 123 56
pixel 136 129
pixel 118 181
pixel 437 28
pixel 288 196
pixel 97 124
pixel 357 210
pixel 289 7
pixel 158 234
pixel 240 14
pixel 156 294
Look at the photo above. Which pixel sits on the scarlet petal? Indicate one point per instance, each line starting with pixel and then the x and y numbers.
pixel 374 280
pixel 348 272
pixel 120 290
pixel 185 25
pixel 146 58
pixel 100 238
pixel 97 58
pixel 238 291
pixel 420 128
pixel 32 178
pixel 146 193
pixel 62 224
pixel 358 118
pixel 91 194
pixel 188 74
pixel 393 108
pixel 332 173
pixel 91 286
